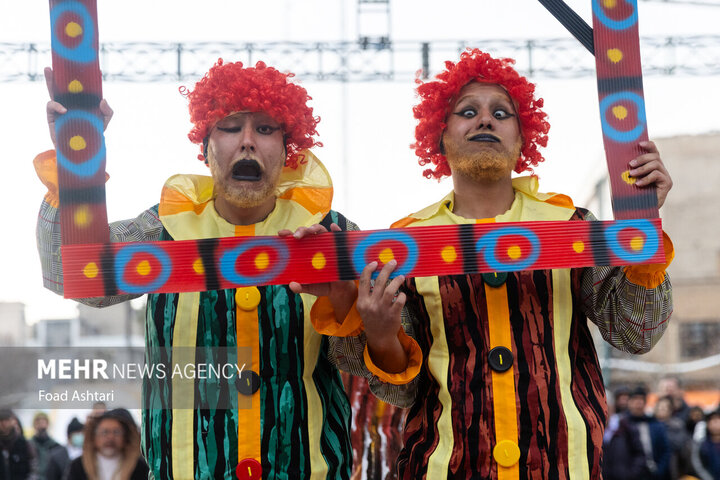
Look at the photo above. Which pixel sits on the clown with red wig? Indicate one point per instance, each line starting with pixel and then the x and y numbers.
pixel 510 386
pixel 291 415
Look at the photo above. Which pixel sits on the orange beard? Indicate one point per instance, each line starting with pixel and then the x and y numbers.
pixel 246 194
pixel 485 165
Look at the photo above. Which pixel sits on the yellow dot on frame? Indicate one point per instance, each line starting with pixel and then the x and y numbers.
pixel 77 143
pixel 91 270
pixel 620 112
pixel 627 178
pixel 578 246
pixel 143 268
pixel 82 216
pixel 73 29
pixel 615 55
pixel 449 254
pixel 514 252
pixel 386 255
pixel 610 3
pixel 262 260
pixel 198 266
pixel 637 243
pixel 75 86
pixel 318 261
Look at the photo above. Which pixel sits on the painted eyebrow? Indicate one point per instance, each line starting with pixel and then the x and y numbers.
pixel 497 99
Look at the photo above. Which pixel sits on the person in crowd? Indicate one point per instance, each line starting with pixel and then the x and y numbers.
pixel 111 450
pixel 695 422
pixel 623 454
pixel 671 386
pixel 706 454
pixel 619 407
pixel 16 453
pixel 43 444
pixel 60 458
pixel 678 438
pixel 652 433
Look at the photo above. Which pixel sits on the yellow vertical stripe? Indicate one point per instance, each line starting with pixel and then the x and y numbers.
pixel 562 323
pixel 248 335
pixel 311 351
pixel 184 337
pixel 439 364
pixel 503 383
pixel 247 330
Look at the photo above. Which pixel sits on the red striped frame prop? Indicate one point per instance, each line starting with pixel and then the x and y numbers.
pixel 79 132
pixel 220 263
pixel 622 103
pixel 93 266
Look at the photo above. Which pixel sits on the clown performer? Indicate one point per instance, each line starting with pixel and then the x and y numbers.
pixel 510 386
pixel 255 128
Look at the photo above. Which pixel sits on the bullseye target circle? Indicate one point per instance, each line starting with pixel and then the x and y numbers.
pixel 81 124
pixel 509 249
pixel 261 260
pixel 629 21
pixel 83 52
pixel 141 268
pixel 616 100
pixel 633 241
pixel 395 244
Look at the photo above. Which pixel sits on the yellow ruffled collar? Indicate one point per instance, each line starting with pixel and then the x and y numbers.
pixel 523 208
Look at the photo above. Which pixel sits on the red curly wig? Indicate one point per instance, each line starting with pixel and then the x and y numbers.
pixel 438 97
pixel 228 87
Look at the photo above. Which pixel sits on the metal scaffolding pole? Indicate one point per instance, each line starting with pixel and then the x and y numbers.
pixel 361 61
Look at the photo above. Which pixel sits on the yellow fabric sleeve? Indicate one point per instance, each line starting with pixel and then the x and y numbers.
pixel 322 316
pixel 652 275
pixel 412 349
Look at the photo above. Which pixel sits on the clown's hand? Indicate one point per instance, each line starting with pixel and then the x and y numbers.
pixel 55 109
pixel 380 307
pixel 341 293
pixel 648 169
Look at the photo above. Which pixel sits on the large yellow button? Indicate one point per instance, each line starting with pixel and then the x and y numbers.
pixel 506 453
pixel 247 298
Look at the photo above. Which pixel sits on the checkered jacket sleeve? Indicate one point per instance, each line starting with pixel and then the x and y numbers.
pixel 347 354
pixel 631 317
pixel 145 228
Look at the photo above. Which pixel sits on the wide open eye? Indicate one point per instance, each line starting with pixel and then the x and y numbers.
pixel 467 112
pixel 500 114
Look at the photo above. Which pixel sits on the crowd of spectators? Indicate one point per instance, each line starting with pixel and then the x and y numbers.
pixel 670 441
pixel 105 447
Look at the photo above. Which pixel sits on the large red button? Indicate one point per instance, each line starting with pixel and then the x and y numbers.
pixel 249 469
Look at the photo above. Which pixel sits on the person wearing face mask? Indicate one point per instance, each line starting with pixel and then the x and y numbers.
pixel 60 458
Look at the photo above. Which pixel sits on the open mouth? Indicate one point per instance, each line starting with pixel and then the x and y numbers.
pixel 484 137
pixel 247 171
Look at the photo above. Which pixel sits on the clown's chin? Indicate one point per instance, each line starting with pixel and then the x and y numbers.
pixel 483 167
pixel 486 165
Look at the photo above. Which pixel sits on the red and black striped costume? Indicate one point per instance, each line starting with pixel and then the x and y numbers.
pixel 544 417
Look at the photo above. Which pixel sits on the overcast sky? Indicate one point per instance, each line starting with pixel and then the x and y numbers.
pixel 376 177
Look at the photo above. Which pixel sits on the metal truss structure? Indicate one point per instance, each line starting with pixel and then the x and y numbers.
pixel 364 60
